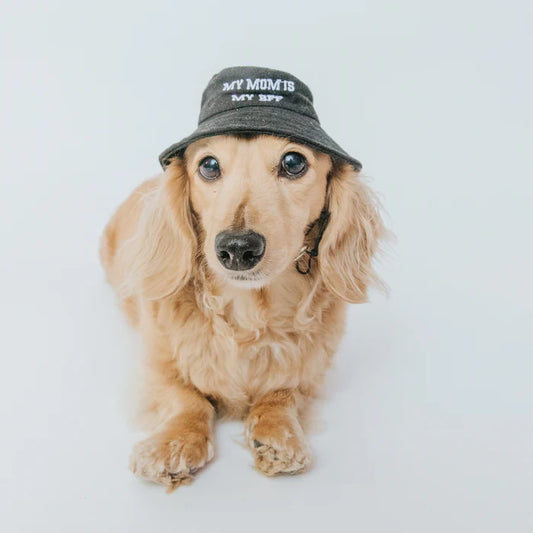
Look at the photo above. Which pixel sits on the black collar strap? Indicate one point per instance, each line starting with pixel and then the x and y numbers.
pixel 319 226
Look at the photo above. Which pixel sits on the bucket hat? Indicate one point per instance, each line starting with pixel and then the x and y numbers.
pixel 259 100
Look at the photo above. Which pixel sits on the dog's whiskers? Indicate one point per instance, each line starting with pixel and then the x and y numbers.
pixel 303 250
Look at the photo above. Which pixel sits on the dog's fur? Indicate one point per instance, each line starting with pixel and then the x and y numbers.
pixel 255 346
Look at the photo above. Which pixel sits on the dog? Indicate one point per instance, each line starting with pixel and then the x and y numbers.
pixel 250 340
pixel 236 264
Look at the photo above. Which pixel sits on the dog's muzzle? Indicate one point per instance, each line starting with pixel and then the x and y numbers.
pixel 239 250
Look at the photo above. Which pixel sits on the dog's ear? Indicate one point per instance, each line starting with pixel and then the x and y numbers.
pixel 352 235
pixel 159 258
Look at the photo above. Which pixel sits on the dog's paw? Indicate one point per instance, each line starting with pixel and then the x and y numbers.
pixel 278 448
pixel 171 462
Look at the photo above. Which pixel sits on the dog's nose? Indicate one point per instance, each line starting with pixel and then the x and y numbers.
pixel 239 250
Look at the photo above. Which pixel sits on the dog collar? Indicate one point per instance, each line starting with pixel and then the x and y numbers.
pixel 318 227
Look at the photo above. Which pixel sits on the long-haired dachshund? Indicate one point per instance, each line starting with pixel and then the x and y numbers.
pixel 236 264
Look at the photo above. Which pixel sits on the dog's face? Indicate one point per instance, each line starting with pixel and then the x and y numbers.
pixel 254 197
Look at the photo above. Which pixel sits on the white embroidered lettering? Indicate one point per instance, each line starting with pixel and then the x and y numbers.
pixel 252 85
pixel 241 97
pixel 268 84
pixel 231 86
pixel 270 97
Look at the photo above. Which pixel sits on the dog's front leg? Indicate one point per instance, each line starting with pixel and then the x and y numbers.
pixel 182 443
pixel 275 435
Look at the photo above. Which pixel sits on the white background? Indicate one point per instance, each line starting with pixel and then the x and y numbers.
pixel 427 421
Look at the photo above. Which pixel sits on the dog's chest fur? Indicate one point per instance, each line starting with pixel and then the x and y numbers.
pixel 237 345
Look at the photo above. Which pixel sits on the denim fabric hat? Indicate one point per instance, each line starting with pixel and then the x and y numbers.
pixel 259 100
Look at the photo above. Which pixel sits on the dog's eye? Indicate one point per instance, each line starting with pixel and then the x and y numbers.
pixel 209 168
pixel 293 165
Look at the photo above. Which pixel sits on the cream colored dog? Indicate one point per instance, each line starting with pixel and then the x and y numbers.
pixel 204 260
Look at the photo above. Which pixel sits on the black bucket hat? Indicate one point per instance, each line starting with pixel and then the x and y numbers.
pixel 259 100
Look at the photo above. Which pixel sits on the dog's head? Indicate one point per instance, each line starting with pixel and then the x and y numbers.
pixel 243 205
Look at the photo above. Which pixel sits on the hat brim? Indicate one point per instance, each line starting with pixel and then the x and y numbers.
pixel 267 120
